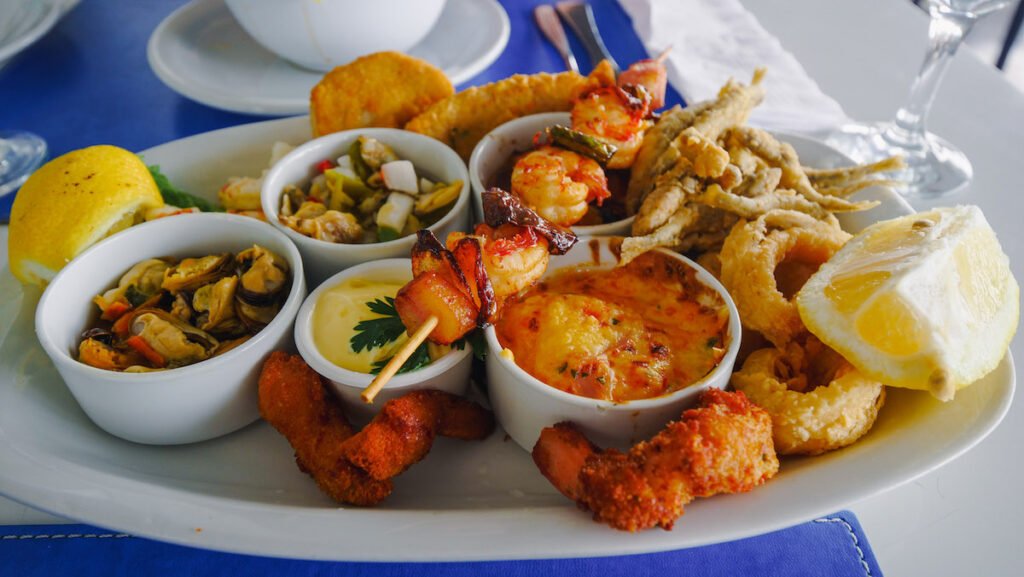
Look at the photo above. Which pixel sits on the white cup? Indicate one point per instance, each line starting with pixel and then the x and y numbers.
pixel 322 34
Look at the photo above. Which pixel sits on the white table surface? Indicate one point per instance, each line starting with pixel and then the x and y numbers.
pixel 963 519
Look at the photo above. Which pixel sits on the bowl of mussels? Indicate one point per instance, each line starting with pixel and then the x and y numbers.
pixel 159 331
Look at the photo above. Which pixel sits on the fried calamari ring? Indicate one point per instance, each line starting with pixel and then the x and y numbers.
pixel 817 400
pixel 767 260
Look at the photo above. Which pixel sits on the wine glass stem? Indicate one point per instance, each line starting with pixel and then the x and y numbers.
pixel 945 34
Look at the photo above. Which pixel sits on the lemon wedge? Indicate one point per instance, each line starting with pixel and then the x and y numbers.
pixel 926 301
pixel 72 202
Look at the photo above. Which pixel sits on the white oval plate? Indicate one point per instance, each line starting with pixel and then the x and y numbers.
pixel 465 501
pixel 201 52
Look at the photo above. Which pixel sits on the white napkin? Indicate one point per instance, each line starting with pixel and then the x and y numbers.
pixel 713 40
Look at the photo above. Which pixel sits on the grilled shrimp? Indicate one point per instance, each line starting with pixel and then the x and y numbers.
pixel 615 117
pixel 515 257
pixel 558 184
pixel 620 114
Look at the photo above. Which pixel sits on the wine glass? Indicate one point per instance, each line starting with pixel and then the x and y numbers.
pixel 934 166
pixel 21 153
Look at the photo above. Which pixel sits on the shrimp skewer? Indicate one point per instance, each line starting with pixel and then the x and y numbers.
pixel 620 114
pixel 462 286
pixel 559 184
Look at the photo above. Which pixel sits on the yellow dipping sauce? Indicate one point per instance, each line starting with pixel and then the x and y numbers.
pixel 339 310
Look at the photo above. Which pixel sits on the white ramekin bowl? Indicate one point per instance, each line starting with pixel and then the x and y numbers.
pixel 431 158
pixel 524 405
pixel 449 373
pixel 491 156
pixel 320 35
pixel 183 405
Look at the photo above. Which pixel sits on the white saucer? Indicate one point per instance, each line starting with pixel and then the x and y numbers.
pixel 201 52
pixel 26 23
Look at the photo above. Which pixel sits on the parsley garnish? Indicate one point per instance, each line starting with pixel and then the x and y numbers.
pixel 418 359
pixel 477 340
pixel 376 333
pixel 176 197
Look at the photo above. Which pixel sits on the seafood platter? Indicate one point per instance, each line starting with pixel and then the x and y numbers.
pixel 544 317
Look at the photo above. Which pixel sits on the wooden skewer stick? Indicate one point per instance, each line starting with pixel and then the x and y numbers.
pixel 398 360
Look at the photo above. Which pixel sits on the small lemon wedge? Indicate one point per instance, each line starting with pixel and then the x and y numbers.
pixel 72 202
pixel 926 301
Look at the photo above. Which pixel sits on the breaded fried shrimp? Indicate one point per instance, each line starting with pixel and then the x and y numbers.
pixel 292 398
pixel 404 430
pixel 723 446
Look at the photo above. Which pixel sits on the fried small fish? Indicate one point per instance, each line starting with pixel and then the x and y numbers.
pixel 383 89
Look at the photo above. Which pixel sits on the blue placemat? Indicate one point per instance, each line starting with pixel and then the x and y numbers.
pixel 834 545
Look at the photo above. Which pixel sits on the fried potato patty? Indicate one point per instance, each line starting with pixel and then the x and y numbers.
pixel 383 89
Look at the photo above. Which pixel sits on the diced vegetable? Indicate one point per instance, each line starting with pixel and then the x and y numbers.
pixel 412 224
pixel 359 165
pixel 139 344
pixel 581 143
pixel 373 188
pixel 349 181
pixel 375 153
pixel 439 198
pixel 426 185
pixel 393 215
pixel 400 175
pixel 339 199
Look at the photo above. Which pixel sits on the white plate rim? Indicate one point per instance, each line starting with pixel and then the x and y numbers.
pixel 174 515
pixel 224 99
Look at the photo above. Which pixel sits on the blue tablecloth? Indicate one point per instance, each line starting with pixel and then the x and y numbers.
pixel 88 82
pixel 833 546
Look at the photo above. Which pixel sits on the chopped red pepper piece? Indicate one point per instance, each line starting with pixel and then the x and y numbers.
pixel 115 310
pixel 324 166
pixel 139 344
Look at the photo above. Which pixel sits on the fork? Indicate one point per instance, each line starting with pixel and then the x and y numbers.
pixel 580 17
pixel 551 27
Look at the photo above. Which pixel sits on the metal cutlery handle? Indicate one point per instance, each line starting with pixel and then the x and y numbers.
pixel 551 27
pixel 580 17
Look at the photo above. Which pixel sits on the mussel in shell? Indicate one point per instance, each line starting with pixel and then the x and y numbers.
pixel 192 273
pixel 176 341
pixel 215 306
pixel 263 276
pixel 141 282
pixel 166 314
